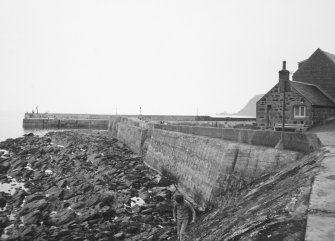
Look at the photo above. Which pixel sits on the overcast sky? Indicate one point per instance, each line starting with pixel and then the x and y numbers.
pixel 169 57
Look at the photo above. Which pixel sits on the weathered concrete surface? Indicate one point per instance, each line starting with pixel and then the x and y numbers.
pixel 42 123
pixel 325 132
pixel 323 195
pixel 99 116
pixel 273 207
pixel 209 161
pixel 208 167
pixel 132 136
pixel 321 217
pixel 292 141
pixel 320 228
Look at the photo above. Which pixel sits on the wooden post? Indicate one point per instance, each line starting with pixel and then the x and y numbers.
pixel 284 76
pixel 283 120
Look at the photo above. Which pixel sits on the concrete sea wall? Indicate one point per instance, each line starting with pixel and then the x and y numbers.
pixel 99 116
pixel 41 123
pixel 64 116
pixel 132 135
pixel 292 141
pixel 206 167
pixel 207 161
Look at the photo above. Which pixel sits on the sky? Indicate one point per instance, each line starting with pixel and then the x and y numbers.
pixel 181 57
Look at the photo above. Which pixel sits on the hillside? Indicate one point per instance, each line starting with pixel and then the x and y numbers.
pixel 249 109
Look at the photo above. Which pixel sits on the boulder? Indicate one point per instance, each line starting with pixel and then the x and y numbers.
pixel 28 233
pixel 3 221
pixel 33 217
pixel 63 217
pixel 4 166
pixel 34 197
pixel 108 198
pixel 3 202
pixel 29 134
pixel 119 235
pixel 32 206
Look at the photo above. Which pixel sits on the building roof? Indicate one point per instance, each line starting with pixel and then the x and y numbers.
pixel 313 94
pixel 318 70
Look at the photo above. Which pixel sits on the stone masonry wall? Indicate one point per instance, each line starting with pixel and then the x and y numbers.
pixel 275 99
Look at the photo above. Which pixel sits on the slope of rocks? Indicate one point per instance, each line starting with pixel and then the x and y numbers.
pixel 81 186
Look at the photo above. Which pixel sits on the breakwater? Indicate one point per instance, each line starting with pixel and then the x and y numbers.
pixel 95 121
pixel 206 162
pixel 47 123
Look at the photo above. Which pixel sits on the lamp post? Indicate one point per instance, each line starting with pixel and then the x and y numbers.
pixel 140 116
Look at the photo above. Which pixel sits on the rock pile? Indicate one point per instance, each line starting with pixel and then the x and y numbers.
pixel 81 186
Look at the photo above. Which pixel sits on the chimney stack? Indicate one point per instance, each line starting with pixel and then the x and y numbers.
pixel 284 78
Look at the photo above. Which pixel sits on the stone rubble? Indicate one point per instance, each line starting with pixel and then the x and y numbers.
pixel 81 186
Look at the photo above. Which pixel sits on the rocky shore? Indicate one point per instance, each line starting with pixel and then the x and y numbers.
pixel 81 186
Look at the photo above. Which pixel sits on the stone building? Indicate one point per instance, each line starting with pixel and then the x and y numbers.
pixel 309 97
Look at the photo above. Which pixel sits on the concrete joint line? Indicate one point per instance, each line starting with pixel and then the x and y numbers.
pixel 321 213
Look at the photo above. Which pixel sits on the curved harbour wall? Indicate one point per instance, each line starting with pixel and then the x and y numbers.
pixel 211 163
pixel 46 123
pixel 207 162
pixel 206 167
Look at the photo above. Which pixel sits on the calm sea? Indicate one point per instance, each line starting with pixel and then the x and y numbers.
pixel 11 126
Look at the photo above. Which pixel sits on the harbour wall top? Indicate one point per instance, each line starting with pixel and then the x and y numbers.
pixel 140 117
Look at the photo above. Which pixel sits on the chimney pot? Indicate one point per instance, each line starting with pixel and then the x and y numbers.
pixel 284 77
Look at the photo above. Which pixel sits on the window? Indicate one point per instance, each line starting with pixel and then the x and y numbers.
pixel 299 111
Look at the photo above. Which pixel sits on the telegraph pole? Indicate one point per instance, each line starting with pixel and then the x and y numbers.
pixel 283 115
pixel 284 85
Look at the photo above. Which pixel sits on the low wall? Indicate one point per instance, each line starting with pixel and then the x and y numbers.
pixel 65 124
pixel 216 124
pixel 292 141
pixel 206 167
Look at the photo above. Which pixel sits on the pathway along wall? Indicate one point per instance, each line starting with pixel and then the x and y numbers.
pixel 206 167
